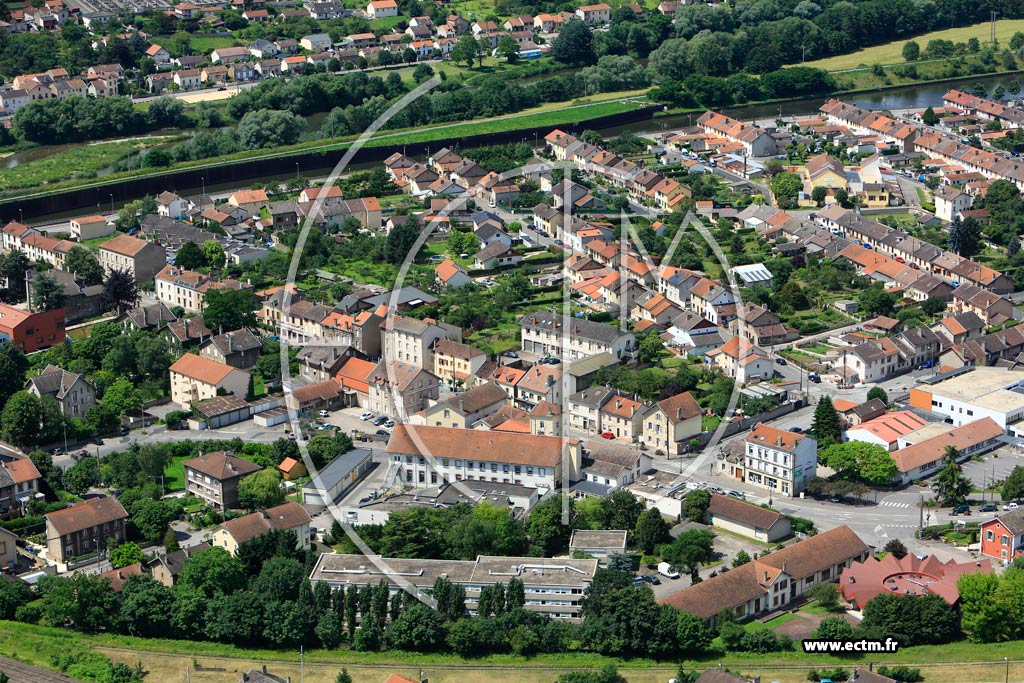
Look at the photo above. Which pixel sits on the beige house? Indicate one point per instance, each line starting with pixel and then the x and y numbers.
pixel 461 411
pixel 143 260
pixel 84 528
pixel 194 379
pixel 456 363
pixel 8 548
pixel 669 424
pixel 746 519
pixel 250 200
pixel 214 477
pixel 287 517
pixel 546 419
pixel 622 417
pixel 90 227
pixel 187 288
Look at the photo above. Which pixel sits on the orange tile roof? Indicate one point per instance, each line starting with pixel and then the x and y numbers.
pixel 354 374
pixel 202 369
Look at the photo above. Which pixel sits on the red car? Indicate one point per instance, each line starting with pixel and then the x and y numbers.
pixel 607 435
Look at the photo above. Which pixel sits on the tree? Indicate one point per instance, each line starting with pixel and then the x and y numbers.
pixel 417 629
pixel 874 300
pixel 126 554
pixel 651 530
pixel 120 292
pixel 190 256
pixel 692 634
pixel 793 296
pixel 122 397
pixel 825 426
pixel 80 602
pixel 912 53
pixel 695 505
pixel 574 45
pixel 422 73
pixel 263 128
pixel 213 253
pixel 860 461
pixel 261 490
pixel 896 548
pixel 692 548
pixel 146 606
pixel 545 529
pixel 13 268
pixel 929 117
pixel 509 49
pixel 152 518
pixel 826 595
pixel 212 572
pixel 230 309
pixel 950 485
pixel 879 393
pixel 21 419
pixel 83 263
pixel 965 237
pixel 933 305
pixel 13 594
pixel 47 293
pixel 818 194
pixel 343 677
pixel 466 50
pixel 833 628
pixel 1013 485
pixel 786 186
pixel 400 241
pixel 911 619
pixel 741 559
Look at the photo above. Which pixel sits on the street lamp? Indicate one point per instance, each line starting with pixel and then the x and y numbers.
pixel 111 202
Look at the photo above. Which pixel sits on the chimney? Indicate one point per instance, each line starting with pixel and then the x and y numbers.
pixel 185 327
pixel 231 345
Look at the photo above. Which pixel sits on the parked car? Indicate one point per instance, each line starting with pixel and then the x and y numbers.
pixel 1010 507
pixel 665 569
pixel 389 424
pixel 366 415
pixel 383 432
pixel 717 489
pixel 510 354
pixel 989 507
pixel 653 580
pixel 814 378
pixel 381 419
pixel 964 509
pixel 781 361
pixel 607 435
pixel 323 413
pixel 797 430
pixel 737 494
pixel 96 441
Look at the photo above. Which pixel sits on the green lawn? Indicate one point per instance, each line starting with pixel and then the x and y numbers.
pixel 174 475
pixel 204 45
pixel 892 53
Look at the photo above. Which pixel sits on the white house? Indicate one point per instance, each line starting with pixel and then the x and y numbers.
pixel 779 460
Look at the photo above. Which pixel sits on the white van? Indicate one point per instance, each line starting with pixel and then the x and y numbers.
pixel 665 569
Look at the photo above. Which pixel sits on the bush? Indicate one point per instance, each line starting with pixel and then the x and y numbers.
pixel 903 674
pixel 837 674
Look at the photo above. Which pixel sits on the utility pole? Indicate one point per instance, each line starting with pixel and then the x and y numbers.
pixel 992 29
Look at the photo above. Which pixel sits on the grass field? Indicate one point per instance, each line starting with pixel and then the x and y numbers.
pixel 203 45
pixel 78 162
pixel 166 661
pixel 892 53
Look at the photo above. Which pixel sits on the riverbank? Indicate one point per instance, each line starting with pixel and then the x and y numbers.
pixel 166 660
pixel 318 155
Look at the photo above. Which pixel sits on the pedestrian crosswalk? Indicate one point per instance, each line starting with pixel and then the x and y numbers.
pixel 894 504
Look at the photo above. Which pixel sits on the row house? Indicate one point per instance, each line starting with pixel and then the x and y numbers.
pixel 864 122
pixel 983 108
pixel 398 389
pixel 573 338
pixel 742 361
pixel 465 409
pixel 756 141
pixel 412 341
pixel 989 164
pixel 713 301
pixel 879 359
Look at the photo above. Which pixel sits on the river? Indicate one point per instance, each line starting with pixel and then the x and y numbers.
pixel 917 96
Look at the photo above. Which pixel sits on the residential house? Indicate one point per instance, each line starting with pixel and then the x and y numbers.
pixel 309 399
pixel 549 334
pixel 237 348
pixel 316 42
pixel 463 410
pixel 670 424
pixel 287 517
pixel 85 528
pixel 496 255
pixel 31 331
pixel 886 429
pixel 195 378
pixel 90 227
pixel 19 485
pixel 399 389
pixel 411 340
pixel 165 568
pixel 187 289
pixel 73 393
pixel 379 9
pixel 594 14
pixel 1002 537
pixel 451 275
pixel 214 478
pixel 250 200
pixel 456 363
pixel 779 460
pixel 742 361
pixel 142 260
pixel 187 79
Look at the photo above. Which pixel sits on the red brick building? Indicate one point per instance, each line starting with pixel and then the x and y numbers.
pixel 1002 537
pixel 31 331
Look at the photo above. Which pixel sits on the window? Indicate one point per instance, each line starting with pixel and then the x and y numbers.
pixel 989 535
pixel 543 472
pixel 1004 540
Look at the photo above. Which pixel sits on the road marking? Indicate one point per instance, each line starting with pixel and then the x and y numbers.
pixel 891 504
pixel 880 531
